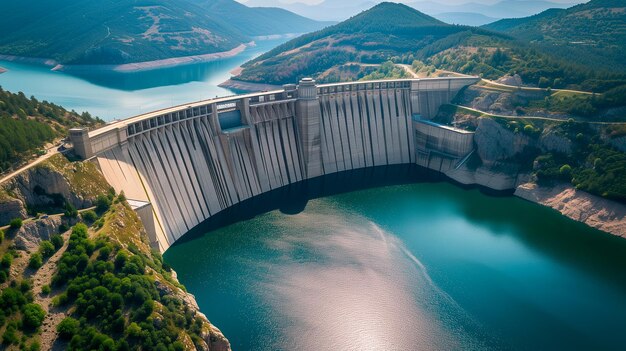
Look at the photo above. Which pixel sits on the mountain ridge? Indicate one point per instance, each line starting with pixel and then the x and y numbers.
pixel 128 31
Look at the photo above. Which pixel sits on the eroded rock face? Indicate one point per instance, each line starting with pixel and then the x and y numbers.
pixel 619 143
pixel 34 185
pixel 552 142
pixel 514 80
pixel 496 143
pixel 32 233
pixel 11 208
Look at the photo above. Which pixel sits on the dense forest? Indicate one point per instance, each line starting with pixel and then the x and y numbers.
pixel 27 124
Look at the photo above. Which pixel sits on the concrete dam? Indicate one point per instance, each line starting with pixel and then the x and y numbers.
pixel 179 166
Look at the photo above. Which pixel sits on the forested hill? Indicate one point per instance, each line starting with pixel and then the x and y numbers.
pixel 384 31
pixel 26 125
pixel 593 33
pixel 123 31
pixel 398 33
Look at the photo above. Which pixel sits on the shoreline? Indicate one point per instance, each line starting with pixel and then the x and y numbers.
pixel 131 67
pixel 594 211
pixel 247 86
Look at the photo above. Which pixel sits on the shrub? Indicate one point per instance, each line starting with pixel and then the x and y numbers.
pixel 68 328
pixel 7 260
pixel 45 290
pixel 35 261
pixel 566 171
pixel 46 248
pixel 16 223
pixel 57 241
pixel 33 315
pixel 63 228
pixel 10 335
pixel 102 203
pixel 89 216
pixel 35 346
pixel 70 211
pixel 1 236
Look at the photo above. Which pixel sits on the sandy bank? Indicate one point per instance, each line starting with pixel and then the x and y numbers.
pixel 596 212
pixel 150 65
pixel 30 60
pixel 247 86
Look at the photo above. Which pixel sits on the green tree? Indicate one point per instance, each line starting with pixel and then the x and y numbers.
pixel 57 241
pixel 46 248
pixel 33 315
pixel 68 328
pixel 16 223
pixel 35 261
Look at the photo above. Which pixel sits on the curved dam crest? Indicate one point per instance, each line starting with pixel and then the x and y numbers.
pixel 180 166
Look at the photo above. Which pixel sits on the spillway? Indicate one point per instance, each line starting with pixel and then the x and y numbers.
pixel 180 166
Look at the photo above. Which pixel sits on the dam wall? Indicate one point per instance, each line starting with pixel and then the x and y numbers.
pixel 184 164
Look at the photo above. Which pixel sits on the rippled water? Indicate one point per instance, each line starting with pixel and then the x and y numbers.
pixel 424 266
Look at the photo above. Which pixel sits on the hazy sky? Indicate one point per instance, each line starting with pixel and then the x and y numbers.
pixel 449 2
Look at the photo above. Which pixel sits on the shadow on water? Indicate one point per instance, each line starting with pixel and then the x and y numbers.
pixel 132 81
pixel 545 230
pixel 292 199
pixel 540 229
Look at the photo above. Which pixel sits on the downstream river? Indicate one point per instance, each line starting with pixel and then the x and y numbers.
pixel 119 95
pixel 407 265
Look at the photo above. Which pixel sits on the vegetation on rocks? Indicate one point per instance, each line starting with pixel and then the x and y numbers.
pixel 96 284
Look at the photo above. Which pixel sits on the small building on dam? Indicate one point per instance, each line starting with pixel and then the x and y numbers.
pixel 179 166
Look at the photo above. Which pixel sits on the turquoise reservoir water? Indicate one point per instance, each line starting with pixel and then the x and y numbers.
pixel 120 95
pixel 418 266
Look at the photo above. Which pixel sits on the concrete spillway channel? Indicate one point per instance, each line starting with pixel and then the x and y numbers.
pixel 184 164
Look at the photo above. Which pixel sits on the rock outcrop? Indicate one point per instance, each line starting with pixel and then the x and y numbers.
pixel 552 142
pixel 32 233
pixel 619 143
pixel 11 208
pixel 213 338
pixel 596 212
pixel 496 143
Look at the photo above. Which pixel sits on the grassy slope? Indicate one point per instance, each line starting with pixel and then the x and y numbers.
pixel 26 125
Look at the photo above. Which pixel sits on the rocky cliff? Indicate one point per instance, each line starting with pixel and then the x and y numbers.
pixel 49 185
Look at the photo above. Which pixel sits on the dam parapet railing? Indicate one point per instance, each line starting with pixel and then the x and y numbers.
pixel 186 163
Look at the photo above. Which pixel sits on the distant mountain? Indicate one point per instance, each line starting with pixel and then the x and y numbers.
pixel 122 31
pixel 339 10
pixel 464 18
pixel 500 9
pixel 593 33
pixel 259 21
pixel 401 34
pixel 328 10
